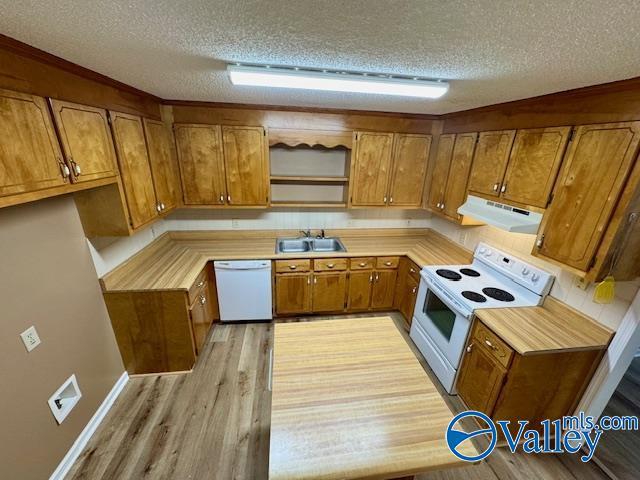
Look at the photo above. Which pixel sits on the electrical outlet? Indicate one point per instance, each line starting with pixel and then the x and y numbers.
pixel 30 338
pixel 582 284
pixel 235 223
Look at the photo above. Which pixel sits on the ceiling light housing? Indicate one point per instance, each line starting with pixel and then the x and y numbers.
pixel 299 78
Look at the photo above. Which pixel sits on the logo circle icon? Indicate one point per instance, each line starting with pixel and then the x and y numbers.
pixel 457 436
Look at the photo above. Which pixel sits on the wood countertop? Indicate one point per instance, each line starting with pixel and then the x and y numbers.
pixel 350 400
pixel 552 327
pixel 173 261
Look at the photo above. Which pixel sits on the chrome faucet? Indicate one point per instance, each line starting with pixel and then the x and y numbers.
pixel 321 234
pixel 306 234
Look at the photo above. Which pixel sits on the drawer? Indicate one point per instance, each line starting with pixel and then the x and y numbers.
pixel 413 271
pixel 295 265
pixel 329 264
pixel 492 343
pixel 364 263
pixel 387 262
pixel 196 289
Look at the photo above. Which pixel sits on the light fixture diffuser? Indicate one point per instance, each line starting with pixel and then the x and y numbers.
pixel 278 77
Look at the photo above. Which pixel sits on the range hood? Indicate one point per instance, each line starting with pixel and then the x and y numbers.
pixel 506 217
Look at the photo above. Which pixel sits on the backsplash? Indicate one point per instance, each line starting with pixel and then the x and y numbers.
pixel 565 287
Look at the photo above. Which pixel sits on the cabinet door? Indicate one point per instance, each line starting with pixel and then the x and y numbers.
pixel 293 293
pixel 410 159
pixel 490 161
pixel 135 170
pixel 441 170
pixel 533 165
pixel 86 140
pixel 359 297
pixel 201 165
pixel 370 168
pixel 480 381
pixel 246 166
pixel 329 292
pixel 409 299
pixel 593 175
pixel 201 314
pixel 30 158
pixel 384 285
pixel 164 165
pixel 456 191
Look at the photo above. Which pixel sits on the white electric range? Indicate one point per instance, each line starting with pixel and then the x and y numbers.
pixel 449 294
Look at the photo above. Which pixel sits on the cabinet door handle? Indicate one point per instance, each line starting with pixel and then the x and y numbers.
pixel 64 170
pixel 412 270
pixel 438 205
pixel 158 207
pixel 309 280
pixel 469 347
pixel 293 267
pixel 162 206
pixel 490 345
pixel 540 241
pixel 495 187
pixel 413 290
pixel 390 199
pixel 377 277
pixel 229 198
pixel 315 280
pixel 200 284
pixel 221 198
pixel 384 199
pixel 331 265
pixel 503 189
pixel 75 167
pixel 371 278
pixel 203 300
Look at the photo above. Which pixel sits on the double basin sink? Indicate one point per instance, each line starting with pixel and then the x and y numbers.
pixel 301 245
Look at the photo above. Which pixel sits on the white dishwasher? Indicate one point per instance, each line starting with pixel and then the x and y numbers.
pixel 244 289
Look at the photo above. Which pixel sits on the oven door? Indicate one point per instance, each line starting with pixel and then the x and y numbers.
pixel 446 325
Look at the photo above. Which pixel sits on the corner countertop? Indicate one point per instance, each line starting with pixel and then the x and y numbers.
pixel 553 327
pixel 174 260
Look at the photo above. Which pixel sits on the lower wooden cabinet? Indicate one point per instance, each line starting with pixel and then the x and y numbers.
pixel 359 294
pixel 384 286
pixel 163 330
pixel 505 385
pixel 329 292
pixel 407 289
pixel 293 293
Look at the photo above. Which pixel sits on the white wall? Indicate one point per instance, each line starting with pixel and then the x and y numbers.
pixel 109 252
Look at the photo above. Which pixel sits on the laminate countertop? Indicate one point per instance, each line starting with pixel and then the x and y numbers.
pixel 552 327
pixel 174 260
pixel 350 400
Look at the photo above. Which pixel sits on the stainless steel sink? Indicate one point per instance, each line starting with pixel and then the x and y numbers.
pixel 301 245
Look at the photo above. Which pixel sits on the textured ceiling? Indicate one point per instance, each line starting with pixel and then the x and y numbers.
pixel 491 50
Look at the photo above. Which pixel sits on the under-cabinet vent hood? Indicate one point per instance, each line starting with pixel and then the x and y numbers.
pixel 506 217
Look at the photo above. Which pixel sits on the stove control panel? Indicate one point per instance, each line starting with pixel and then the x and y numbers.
pixel 527 275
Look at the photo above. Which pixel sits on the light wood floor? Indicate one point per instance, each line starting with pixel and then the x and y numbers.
pixel 214 423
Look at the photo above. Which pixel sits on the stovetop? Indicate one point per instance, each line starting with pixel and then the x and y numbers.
pixel 493 280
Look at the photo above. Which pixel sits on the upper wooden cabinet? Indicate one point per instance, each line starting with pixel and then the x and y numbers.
pixel 490 161
pixel 246 166
pixel 388 169
pixel 30 157
pixel 164 165
pixel 135 169
pixel 451 173
pixel 370 168
pixel 598 163
pixel 223 166
pixel 86 140
pixel 410 159
pixel 201 164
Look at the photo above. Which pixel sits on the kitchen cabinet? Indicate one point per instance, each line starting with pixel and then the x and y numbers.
pixel 407 289
pixel 599 162
pixel 359 294
pixel 201 163
pixel 135 169
pixel 163 330
pixel 30 157
pixel 533 165
pixel 246 166
pixel 410 159
pixel 86 140
pixel 293 293
pixel 388 169
pixel 384 284
pixel 505 385
pixel 164 165
pixel 451 174
pixel 490 161
pixel 223 166
pixel 329 292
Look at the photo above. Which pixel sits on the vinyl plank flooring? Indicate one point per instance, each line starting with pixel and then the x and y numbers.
pixel 214 422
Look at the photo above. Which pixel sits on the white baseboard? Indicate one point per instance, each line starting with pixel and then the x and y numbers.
pixel 82 440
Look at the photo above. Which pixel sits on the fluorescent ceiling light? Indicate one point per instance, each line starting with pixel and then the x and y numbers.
pixel 264 76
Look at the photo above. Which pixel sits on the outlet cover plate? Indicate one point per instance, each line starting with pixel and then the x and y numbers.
pixel 30 338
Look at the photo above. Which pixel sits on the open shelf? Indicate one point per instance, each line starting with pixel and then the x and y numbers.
pixel 309 204
pixel 307 179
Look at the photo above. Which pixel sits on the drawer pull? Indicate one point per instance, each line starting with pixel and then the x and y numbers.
pixel 293 267
pixel 200 284
pixel 412 270
pixel 203 300
pixel 362 264
pixel 331 265
pixel 490 345
pixel 388 264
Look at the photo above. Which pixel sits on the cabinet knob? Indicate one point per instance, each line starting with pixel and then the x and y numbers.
pixel 388 264
pixel 362 264
pixel 203 300
pixel 412 270
pixel 200 284
pixel 414 289
pixel 293 267
pixel 331 265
